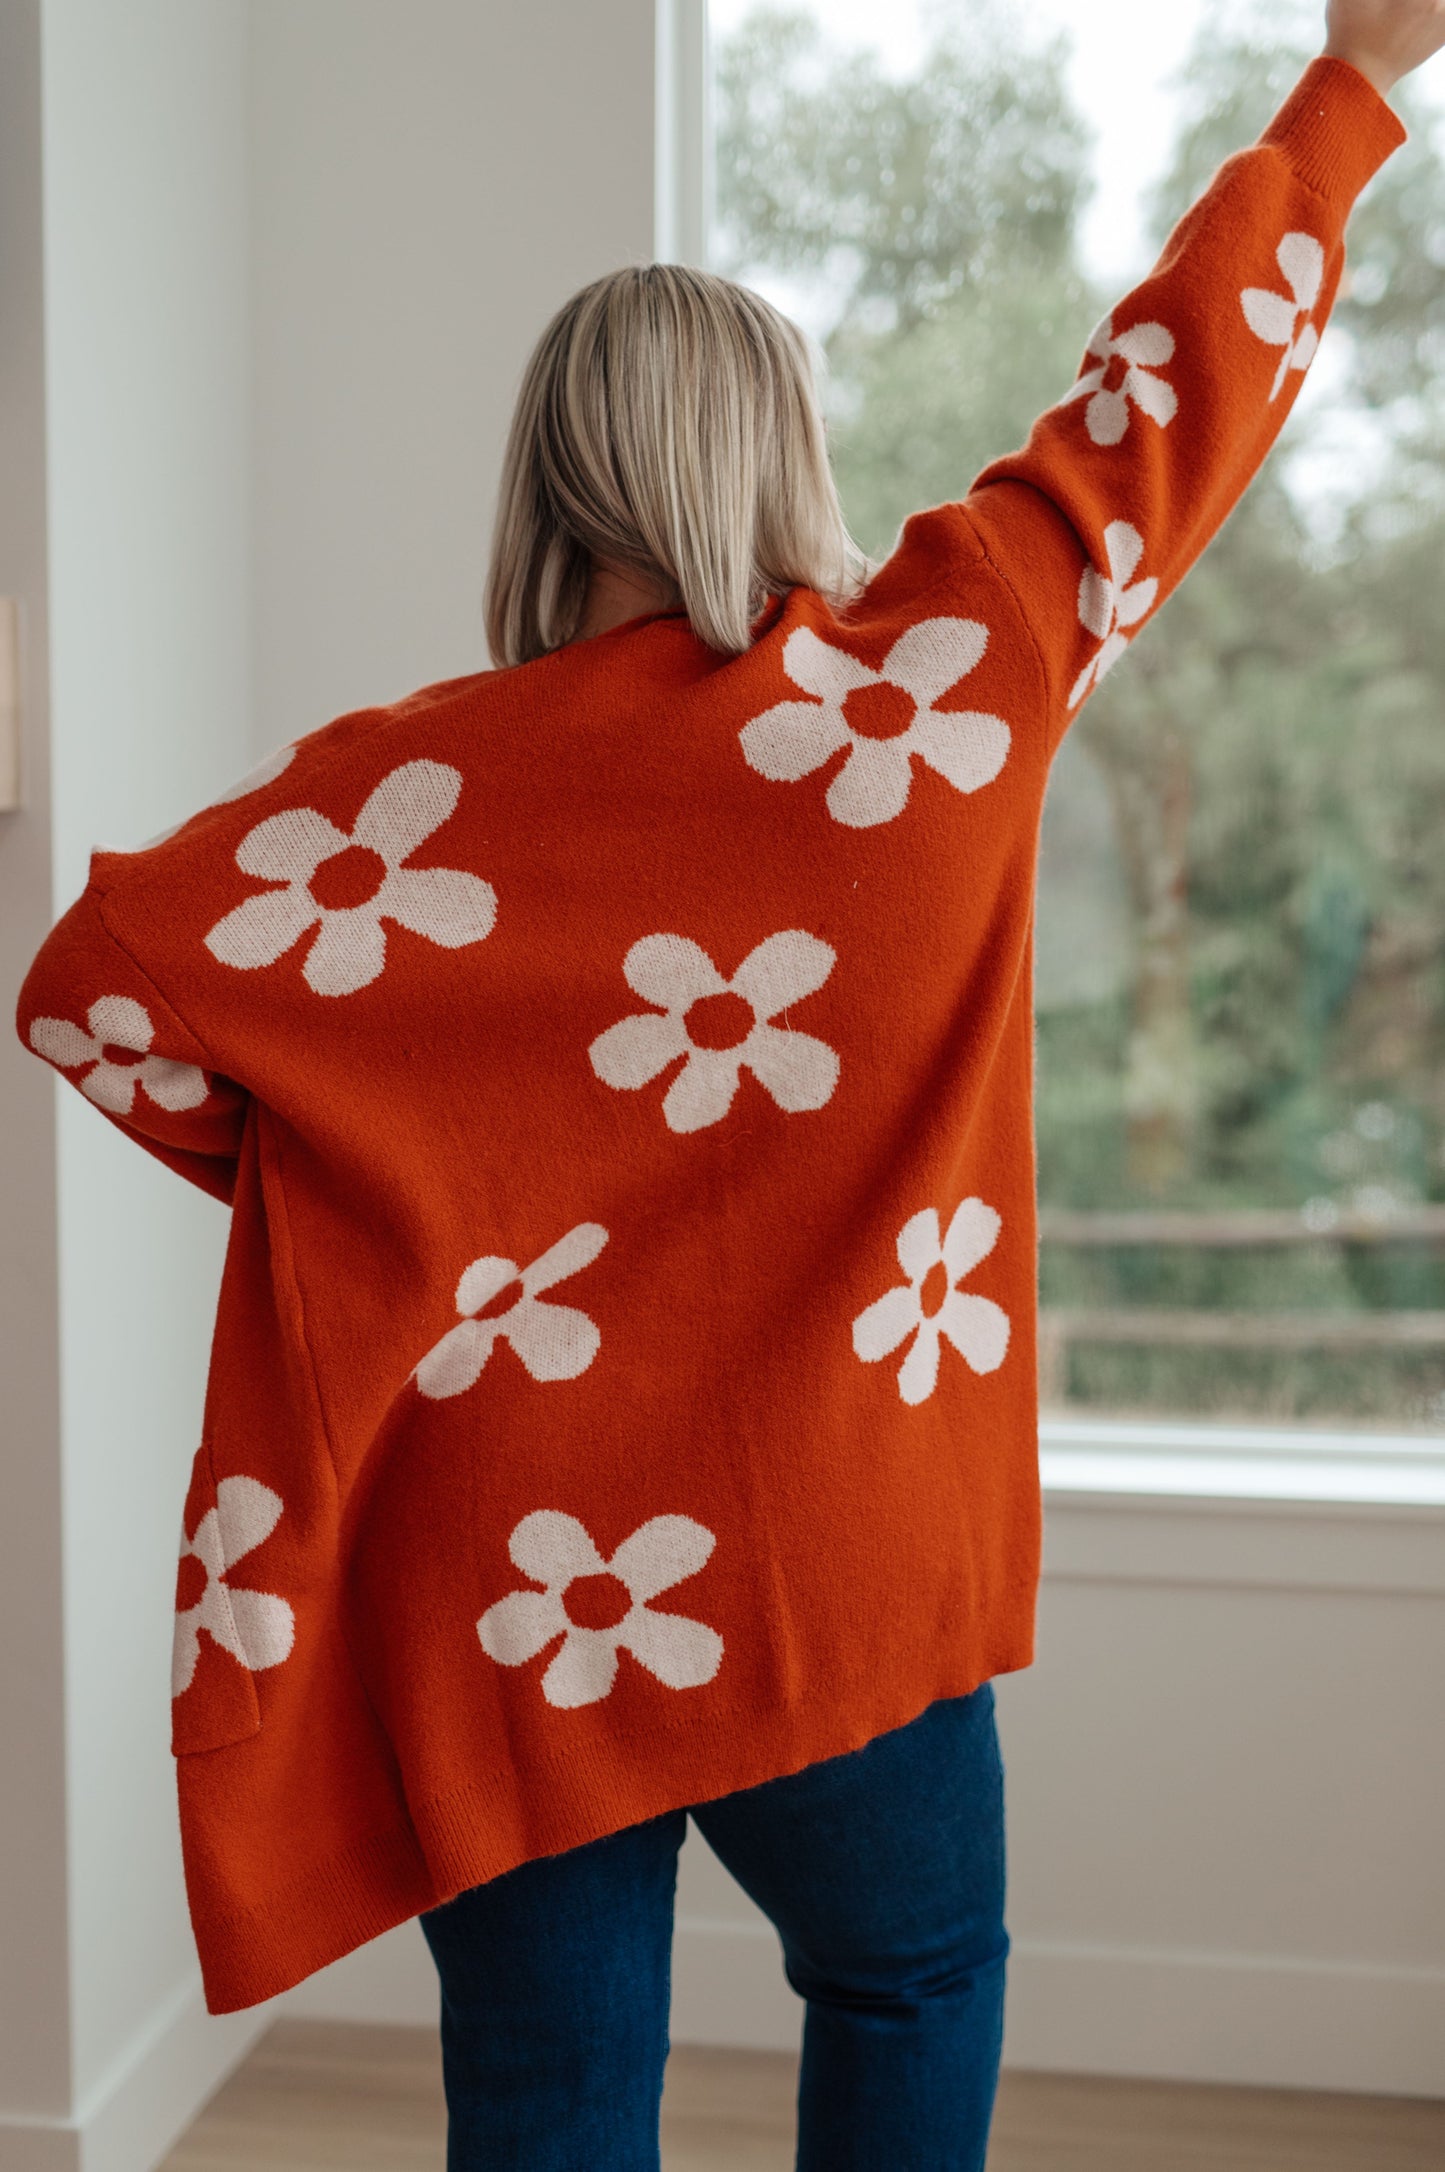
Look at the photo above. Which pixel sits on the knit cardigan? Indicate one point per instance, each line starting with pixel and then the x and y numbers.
pixel 620 1072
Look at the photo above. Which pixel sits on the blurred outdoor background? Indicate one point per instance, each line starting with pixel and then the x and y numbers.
pixel 1241 915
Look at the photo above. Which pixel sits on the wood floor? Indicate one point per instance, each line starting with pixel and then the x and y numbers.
pixel 320 2095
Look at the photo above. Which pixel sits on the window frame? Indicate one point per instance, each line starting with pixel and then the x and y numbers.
pixel 1256 1467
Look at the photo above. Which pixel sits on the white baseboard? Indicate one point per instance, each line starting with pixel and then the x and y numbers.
pixel 1094 2010
pixel 1211 2017
pixel 1179 2016
pixel 728 1986
pixel 137 2111
pixel 34 2145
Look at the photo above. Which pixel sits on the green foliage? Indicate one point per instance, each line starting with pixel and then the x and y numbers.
pixel 1290 698
pixel 937 215
pixel 913 191
pixel 918 411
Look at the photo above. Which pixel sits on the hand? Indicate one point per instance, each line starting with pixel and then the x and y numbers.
pixel 1385 39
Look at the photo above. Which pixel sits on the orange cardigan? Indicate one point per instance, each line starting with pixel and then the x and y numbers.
pixel 623 1387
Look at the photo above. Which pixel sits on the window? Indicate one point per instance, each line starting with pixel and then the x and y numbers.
pixel 1241 920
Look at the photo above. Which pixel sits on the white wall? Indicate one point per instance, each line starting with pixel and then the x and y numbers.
pixel 34 2020
pixel 125 529
pixel 269 272
pixel 146 385
pixel 1226 1793
pixel 430 183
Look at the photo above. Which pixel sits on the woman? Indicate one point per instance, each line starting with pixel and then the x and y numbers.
pixel 623 1394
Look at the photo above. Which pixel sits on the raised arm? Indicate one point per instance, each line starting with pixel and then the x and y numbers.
pixel 1186 384
pixel 91 1011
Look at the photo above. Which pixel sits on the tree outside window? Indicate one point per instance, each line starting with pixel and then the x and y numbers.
pixel 1241 921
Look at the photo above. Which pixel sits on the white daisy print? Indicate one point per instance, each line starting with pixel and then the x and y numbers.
pixel 1281 320
pixel 346 883
pixel 600 1607
pixel 884 718
pixel 501 1301
pixel 253 1626
pixel 254 780
pixel 722 1027
pixel 1110 602
pixel 117 1059
pixel 930 1305
pixel 1125 363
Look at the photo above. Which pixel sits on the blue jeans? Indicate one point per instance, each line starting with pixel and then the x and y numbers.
pixel 883 1872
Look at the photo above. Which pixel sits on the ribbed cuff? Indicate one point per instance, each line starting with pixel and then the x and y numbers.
pixel 1335 129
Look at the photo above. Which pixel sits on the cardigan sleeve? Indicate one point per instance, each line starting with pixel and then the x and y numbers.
pixel 1183 390
pixel 91 1010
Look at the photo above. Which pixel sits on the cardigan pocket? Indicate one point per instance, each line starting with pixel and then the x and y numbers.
pixel 229 1627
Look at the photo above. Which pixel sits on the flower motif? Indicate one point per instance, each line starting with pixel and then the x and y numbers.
pixel 264 773
pixel 1125 363
pixel 117 1051
pixel 720 1026
pixel 253 1626
pixel 882 717
pixel 1275 318
pixel 1107 603
pixel 930 1304
pixel 597 1606
pixel 345 883
pixel 499 1299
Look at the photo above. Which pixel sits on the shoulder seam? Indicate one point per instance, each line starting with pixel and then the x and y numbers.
pixel 152 983
pixel 1020 613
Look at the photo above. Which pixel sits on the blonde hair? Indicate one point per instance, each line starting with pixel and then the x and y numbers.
pixel 668 423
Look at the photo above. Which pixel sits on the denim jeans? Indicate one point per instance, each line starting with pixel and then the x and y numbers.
pixel 883 1872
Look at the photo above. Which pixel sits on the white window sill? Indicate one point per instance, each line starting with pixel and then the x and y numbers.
pixel 1137 1503
pixel 1112 1459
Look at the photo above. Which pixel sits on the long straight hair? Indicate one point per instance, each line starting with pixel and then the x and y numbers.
pixel 667 422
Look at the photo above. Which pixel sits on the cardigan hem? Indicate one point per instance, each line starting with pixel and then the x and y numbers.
pixel 345 1900
pixel 335 1905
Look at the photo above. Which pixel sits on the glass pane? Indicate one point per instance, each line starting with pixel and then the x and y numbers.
pixel 1241 923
